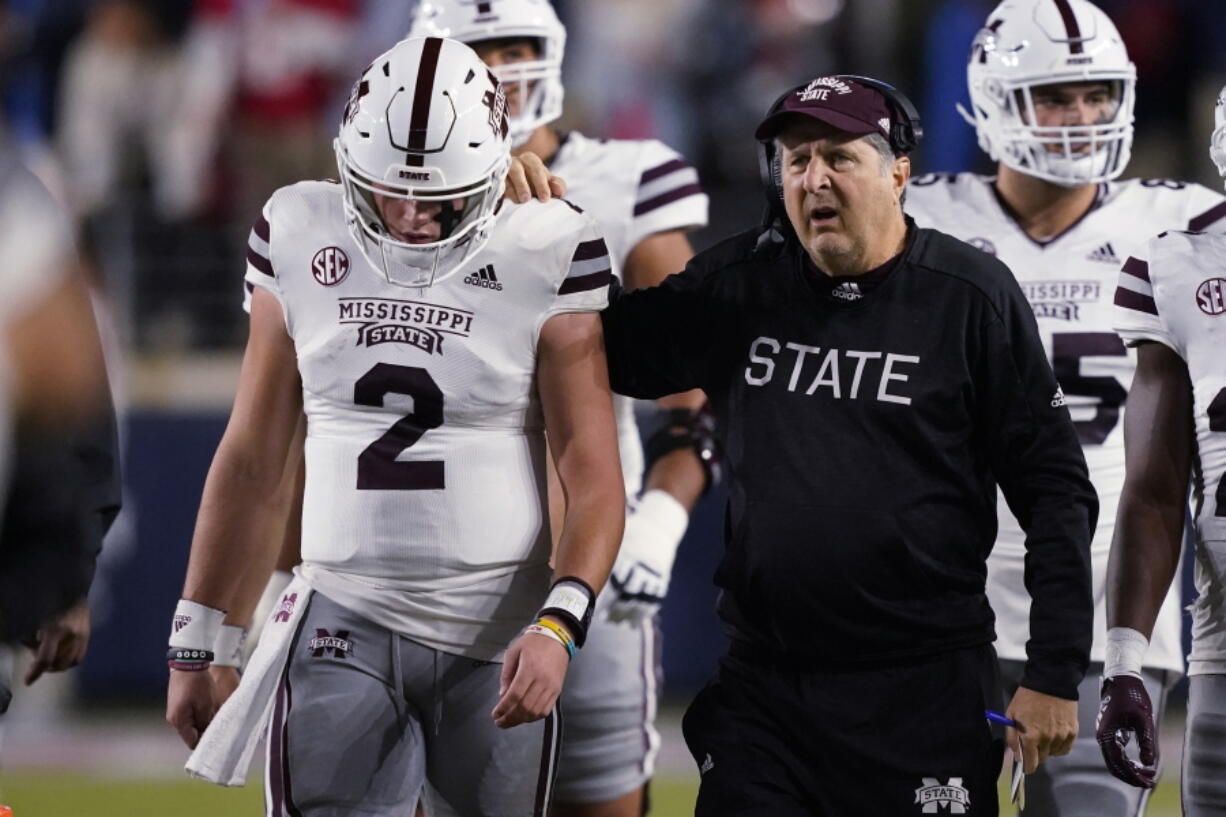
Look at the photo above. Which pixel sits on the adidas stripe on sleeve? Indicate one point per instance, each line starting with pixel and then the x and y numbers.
pixel 586 285
pixel 669 195
pixel 1206 210
pixel 1136 317
pixel 260 271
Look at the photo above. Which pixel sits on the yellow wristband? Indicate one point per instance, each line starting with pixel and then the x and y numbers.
pixel 562 632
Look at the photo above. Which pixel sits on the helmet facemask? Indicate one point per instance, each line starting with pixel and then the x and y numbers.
pixel 464 217
pixel 539 85
pixel 1217 143
pixel 1066 155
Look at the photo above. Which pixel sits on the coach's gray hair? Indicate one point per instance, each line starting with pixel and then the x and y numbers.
pixel 882 146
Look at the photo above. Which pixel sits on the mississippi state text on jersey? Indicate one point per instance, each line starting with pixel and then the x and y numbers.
pixel 424 508
pixel 633 188
pixel 1070 282
pixel 1174 292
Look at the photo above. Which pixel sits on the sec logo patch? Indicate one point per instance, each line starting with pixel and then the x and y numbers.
pixel 1211 296
pixel 330 266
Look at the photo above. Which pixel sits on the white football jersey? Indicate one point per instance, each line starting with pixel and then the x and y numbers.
pixel 1070 281
pixel 633 188
pixel 1174 292
pixel 424 507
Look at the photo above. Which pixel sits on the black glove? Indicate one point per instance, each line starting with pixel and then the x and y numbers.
pixel 1126 710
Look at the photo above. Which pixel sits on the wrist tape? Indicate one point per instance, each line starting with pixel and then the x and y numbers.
pixel 1125 652
pixel 571 601
pixel 228 646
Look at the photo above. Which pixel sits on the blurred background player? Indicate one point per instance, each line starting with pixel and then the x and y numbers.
pixel 426 541
pixel 52 390
pixel 1171 306
pixel 1052 91
pixel 645 197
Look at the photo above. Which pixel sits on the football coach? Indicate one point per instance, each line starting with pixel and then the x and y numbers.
pixel 874 384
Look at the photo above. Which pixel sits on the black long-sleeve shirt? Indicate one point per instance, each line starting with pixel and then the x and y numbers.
pixel 866 424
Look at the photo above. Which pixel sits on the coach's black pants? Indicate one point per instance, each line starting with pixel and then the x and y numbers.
pixel 907 738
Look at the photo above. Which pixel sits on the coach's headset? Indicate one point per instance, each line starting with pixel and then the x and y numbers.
pixel 906 131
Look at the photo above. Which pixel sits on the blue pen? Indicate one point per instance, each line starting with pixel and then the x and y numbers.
pixel 1004 720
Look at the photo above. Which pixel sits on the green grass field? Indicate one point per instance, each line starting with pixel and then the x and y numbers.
pixel 50 795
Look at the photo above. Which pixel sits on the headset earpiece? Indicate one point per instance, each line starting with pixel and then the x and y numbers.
pixel 907 128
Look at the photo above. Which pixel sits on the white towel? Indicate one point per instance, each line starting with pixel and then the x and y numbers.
pixel 225 750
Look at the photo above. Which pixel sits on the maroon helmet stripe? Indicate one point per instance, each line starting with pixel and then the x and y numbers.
pixel 1206 218
pixel 419 122
pixel 1137 269
pixel 1070 25
pixel 667 198
pixel 582 283
pixel 1135 300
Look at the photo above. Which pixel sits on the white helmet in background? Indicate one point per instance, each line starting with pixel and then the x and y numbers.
pixel 1217 144
pixel 426 122
pixel 1028 43
pixel 539 80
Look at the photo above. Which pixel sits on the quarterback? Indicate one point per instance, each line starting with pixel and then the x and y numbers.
pixel 1052 90
pixel 645 197
pixel 424 623
pixel 1171 305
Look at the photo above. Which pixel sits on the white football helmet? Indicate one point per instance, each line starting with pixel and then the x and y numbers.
pixel 1029 43
pixel 1217 143
pixel 539 80
pixel 426 122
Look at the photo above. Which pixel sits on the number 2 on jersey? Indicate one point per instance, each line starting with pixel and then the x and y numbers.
pixel 378 468
pixel 1217 422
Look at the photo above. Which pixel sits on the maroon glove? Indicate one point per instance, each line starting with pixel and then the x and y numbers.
pixel 1126 710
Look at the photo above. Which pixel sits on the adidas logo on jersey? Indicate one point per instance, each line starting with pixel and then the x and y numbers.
pixel 1058 399
pixel 1105 253
pixel 847 291
pixel 484 277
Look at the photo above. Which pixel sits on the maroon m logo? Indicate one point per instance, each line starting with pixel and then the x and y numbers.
pixel 339 644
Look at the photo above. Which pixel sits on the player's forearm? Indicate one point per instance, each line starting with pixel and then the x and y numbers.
pixel 284 520
pixel 680 475
pixel 231 526
pixel 1144 559
pixel 592 528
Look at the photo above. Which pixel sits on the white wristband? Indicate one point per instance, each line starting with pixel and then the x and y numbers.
pixel 1125 652
pixel 195 626
pixel 228 646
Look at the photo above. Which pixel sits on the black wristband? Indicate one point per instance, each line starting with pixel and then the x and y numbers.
pixel 558 605
pixel 188 660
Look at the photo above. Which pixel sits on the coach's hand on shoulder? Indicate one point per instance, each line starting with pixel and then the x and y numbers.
pixel 529 177
pixel 191 704
pixel 1049 727
pixel 532 676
